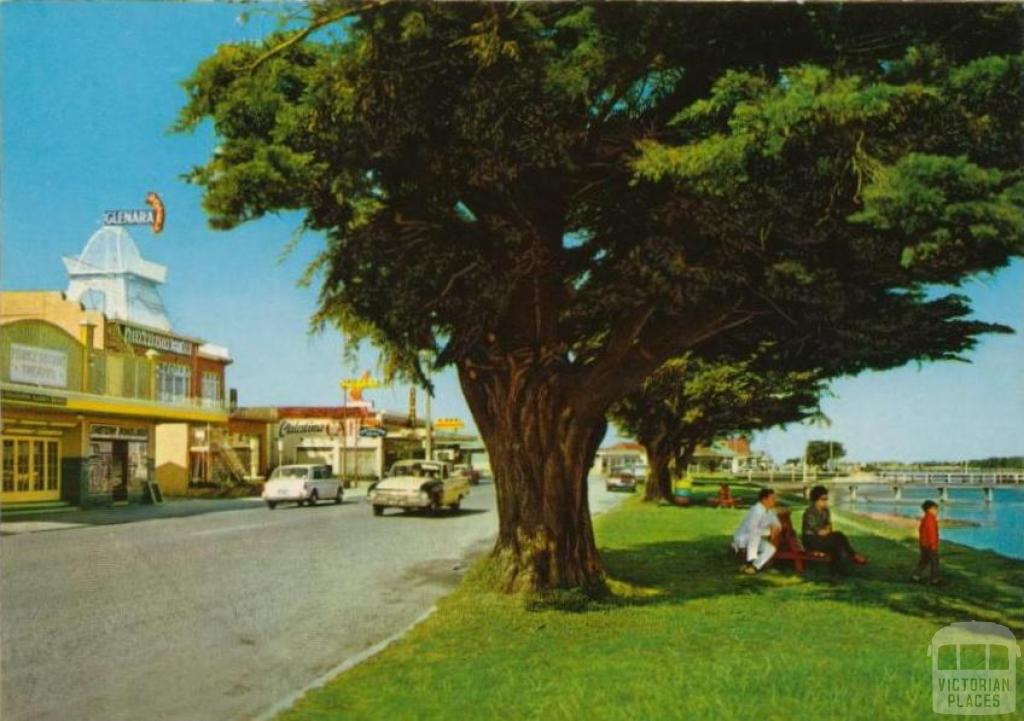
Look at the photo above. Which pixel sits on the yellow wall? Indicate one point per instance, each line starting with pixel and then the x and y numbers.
pixel 172 457
pixel 53 307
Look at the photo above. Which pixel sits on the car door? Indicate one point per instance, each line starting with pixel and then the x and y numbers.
pixel 325 487
pixel 455 485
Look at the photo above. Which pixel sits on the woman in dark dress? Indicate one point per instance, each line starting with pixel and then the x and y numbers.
pixel 819 536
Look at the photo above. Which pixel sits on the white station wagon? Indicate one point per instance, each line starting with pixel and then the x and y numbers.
pixel 300 484
pixel 419 484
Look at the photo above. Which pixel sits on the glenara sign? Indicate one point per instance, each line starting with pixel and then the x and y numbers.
pixel 152 216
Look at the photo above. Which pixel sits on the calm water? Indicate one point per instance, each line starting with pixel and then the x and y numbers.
pixel 1001 523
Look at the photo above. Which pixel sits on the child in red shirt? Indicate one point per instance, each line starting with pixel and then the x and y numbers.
pixel 928 539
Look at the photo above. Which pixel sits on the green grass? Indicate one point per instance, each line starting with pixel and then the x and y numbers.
pixel 684 635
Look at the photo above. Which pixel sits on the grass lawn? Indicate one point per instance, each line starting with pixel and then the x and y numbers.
pixel 685 636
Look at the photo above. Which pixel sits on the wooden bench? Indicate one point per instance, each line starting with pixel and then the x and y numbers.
pixel 790 548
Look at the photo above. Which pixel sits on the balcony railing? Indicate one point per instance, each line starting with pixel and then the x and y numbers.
pixel 35 393
pixel 109 375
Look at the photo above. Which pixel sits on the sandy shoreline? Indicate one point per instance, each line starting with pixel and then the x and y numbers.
pixel 897 521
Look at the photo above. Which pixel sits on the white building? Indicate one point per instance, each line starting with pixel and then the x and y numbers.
pixel 111 276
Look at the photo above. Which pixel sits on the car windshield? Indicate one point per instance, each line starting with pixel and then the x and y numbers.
pixel 417 470
pixel 290 472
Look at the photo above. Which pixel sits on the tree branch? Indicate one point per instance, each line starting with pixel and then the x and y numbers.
pixel 313 26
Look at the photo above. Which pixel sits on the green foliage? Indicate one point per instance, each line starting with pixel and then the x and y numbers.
pixel 604 186
pixel 819 453
pixel 677 638
pixel 690 401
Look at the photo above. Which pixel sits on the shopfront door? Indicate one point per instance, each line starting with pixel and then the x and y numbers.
pixel 119 470
pixel 119 462
pixel 31 469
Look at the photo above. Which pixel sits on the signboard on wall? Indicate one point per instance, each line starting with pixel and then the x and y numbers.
pixel 40 398
pixel 39 366
pixel 158 341
pixel 118 433
pixel 308 427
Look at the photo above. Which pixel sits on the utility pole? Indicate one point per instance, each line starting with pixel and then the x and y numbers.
pixel 428 444
pixel 429 429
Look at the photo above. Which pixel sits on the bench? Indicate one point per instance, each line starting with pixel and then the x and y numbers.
pixel 790 548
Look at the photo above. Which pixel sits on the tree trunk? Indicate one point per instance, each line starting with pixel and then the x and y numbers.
pixel 659 479
pixel 684 456
pixel 541 450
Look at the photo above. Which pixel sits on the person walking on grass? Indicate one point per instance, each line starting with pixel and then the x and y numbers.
pixel 818 534
pixel 928 540
pixel 757 531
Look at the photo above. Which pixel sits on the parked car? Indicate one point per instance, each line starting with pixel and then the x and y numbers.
pixel 472 475
pixel 622 481
pixel 429 485
pixel 303 483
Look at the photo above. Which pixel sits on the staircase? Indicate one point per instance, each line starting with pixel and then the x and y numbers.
pixel 227 460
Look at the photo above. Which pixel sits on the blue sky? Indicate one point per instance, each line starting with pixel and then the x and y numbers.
pixel 89 91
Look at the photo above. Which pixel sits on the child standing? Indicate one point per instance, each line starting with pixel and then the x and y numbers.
pixel 928 539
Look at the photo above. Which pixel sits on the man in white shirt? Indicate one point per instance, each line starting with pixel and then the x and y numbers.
pixel 752 537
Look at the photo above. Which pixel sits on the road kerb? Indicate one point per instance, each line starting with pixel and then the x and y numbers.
pixel 349 663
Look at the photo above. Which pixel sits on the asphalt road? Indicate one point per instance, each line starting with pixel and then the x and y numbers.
pixel 218 616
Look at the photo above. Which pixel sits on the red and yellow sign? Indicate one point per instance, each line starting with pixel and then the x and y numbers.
pixel 356 386
pixel 452 424
pixel 153 201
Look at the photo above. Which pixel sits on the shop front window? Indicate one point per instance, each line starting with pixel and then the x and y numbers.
pixel 52 466
pixel 23 459
pixel 137 464
pixel 8 456
pixel 38 466
pixel 31 467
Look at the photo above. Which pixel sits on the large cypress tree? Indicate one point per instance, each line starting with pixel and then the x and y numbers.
pixel 557 199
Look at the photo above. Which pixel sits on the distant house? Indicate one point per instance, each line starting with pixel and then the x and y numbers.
pixel 623 456
pixel 722 455
pixel 725 454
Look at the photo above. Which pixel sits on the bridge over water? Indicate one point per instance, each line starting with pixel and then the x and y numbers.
pixel 897 480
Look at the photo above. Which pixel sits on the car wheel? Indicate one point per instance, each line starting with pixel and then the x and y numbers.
pixel 300 503
pixel 271 505
pixel 313 498
pixel 338 497
pixel 378 510
pixel 455 506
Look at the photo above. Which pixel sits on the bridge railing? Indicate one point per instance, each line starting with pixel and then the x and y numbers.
pixel 789 476
pixel 952 478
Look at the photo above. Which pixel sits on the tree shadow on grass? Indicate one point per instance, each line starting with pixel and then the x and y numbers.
pixel 979 585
